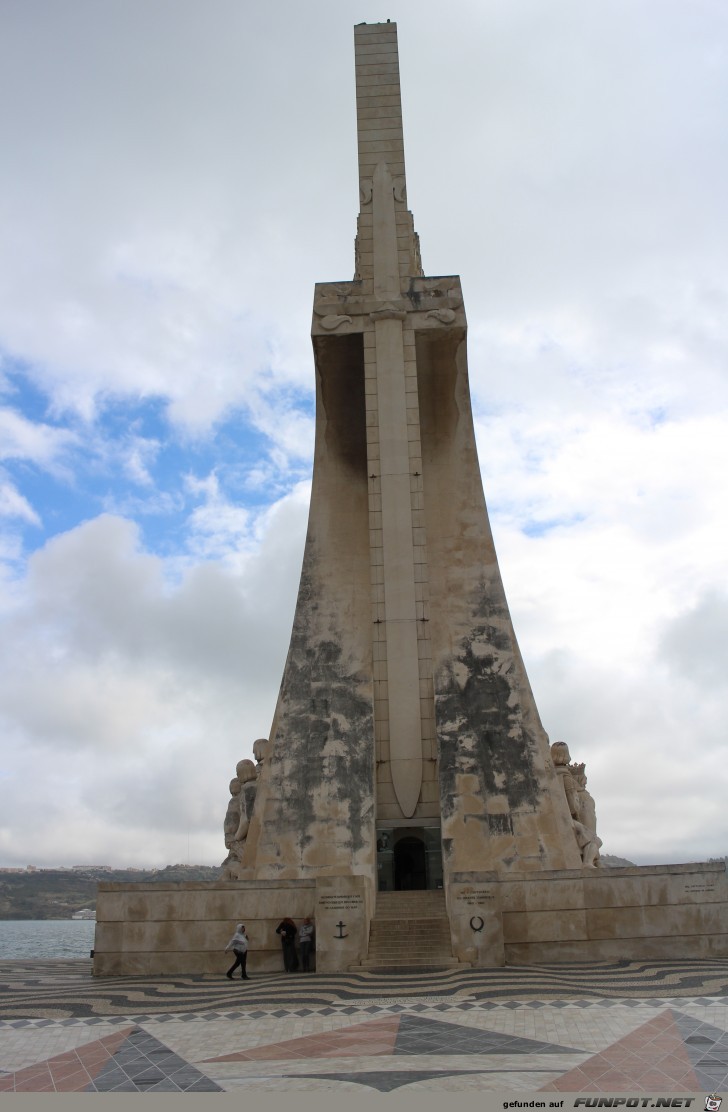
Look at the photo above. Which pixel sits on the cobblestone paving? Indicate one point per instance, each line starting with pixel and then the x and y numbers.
pixel 622 1027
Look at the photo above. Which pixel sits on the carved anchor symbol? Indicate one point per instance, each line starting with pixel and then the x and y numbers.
pixel 341 934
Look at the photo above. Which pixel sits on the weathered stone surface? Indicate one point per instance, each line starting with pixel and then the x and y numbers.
pixel 659 911
pixel 184 928
pixel 401 613
pixel 656 911
pixel 476 918
pixel 342 912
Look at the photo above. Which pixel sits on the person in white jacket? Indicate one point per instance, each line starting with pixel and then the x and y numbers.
pixel 239 946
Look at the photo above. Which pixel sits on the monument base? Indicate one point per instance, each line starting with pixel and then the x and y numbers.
pixel 648 911
pixel 600 915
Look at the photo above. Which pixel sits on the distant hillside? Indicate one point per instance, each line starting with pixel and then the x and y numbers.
pixel 56 894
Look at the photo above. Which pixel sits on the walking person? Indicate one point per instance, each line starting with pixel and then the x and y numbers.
pixel 287 930
pixel 305 943
pixel 239 946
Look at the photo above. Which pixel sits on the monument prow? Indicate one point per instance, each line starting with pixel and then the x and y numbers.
pixel 401 610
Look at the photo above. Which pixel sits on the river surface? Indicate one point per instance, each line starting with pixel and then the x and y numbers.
pixel 45 938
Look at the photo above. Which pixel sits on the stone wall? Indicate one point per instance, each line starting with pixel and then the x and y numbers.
pixel 649 911
pixel 162 929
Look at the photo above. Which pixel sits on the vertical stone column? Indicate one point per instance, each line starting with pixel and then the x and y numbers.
pixel 400 614
pixel 385 256
pixel 380 136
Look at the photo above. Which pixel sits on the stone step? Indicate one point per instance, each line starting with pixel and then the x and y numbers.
pixel 410 930
pixel 378 945
pixel 409 944
pixel 376 951
pixel 413 894
pixel 410 938
pixel 403 926
pixel 403 945
pixel 436 904
pixel 405 966
pixel 382 943
pixel 404 905
pixel 442 938
pixel 431 929
pixel 407 953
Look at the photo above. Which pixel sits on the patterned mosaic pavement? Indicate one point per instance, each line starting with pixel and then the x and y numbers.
pixel 626 1028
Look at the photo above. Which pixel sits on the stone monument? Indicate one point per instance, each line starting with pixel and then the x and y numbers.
pixel 405 707
pixel 407 774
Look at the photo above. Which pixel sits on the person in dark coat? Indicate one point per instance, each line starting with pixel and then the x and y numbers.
pixel 287 930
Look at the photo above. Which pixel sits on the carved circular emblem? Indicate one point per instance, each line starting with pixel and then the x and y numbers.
pixel 477 923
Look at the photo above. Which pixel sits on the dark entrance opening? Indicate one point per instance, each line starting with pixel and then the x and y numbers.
pixel 408 857
pixel 410 870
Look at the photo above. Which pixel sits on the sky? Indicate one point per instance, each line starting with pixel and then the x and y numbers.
pixel 176 177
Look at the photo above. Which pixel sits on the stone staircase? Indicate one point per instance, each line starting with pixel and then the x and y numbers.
pixel 410 930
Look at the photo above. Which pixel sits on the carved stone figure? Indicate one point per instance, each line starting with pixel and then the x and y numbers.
pixel 245 771
pixel 259 749
pixel 587 807
pixel 235 829
pixel 237 818
pixel 560 756
pixel 232 815
pixel 589 843
pixel 560 753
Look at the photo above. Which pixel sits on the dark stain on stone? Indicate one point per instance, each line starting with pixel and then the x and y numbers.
pixel 479 732
pixel 248 793
pixel 414 294
pixel 341 374
pixel 324 738
pixel 500 824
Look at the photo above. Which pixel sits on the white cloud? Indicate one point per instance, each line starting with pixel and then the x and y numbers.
pixel 217 526
pixel 136 698
pixel 695 644
pixel 13 504
pixel 21 438
pixel 139 453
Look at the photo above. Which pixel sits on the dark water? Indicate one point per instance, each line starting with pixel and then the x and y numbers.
pixel 46 938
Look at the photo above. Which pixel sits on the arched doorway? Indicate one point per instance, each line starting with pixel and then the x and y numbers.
pixel 408 857
pixel 410 870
